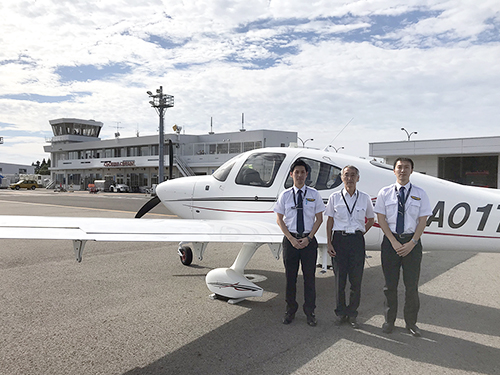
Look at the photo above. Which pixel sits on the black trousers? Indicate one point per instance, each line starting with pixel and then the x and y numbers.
pixel 349 261
pixel 307 258
pixel 391 265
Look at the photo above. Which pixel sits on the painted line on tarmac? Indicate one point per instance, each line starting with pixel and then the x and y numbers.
pixel 83 208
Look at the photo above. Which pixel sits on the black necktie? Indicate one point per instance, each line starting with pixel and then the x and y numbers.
pixel 400 222
pixel 300 214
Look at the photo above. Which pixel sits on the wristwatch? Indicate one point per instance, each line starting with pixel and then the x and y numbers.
pixel 309 238
pixel 414 241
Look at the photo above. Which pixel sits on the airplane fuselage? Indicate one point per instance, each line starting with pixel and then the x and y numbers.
pixel 464 217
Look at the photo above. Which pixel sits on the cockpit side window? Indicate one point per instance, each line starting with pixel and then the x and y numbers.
pixel 322 176
pixel 260 169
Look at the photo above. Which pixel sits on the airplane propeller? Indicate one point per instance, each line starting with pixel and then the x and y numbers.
pixel 148 206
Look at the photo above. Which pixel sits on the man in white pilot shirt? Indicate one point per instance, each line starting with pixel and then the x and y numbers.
pixel 299 211
pixel 402 210
pixel 345 228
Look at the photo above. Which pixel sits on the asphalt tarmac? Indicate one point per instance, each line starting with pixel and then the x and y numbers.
pixel 133 308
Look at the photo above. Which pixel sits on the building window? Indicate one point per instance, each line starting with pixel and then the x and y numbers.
pixel 199 149
pixel 235 148
pixel 133 151
pixel 248 146
pixel 212 148
pixel 74 179
pixel 154 179
pixel 222 148
pixel 470 170
pixel 22 170
pixel 154 150
pixel 144 150
pixel 143 179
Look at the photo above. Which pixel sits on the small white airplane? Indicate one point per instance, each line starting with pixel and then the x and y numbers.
pixel 235 205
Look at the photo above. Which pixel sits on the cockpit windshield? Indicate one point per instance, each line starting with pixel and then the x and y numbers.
pixel 223 171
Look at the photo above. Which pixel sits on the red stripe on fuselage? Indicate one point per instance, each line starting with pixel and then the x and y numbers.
pixel 236 211
pixel 452 234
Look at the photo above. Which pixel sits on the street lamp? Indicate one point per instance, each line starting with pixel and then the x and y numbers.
pixel 160 102
pixel 304 142
pixel 408 134
pixel 335 148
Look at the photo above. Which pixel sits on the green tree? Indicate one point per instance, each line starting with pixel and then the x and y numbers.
pixel 44 167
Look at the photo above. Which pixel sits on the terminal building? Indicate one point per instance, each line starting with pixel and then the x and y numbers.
pixel 467 161
pixel 79 157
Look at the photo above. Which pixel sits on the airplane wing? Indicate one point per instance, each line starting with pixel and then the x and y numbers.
pixel 124 229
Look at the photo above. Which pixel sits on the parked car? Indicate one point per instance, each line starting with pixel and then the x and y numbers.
pixel 119 188
pixel 24 184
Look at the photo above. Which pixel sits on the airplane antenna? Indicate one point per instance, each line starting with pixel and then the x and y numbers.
pixel 326 148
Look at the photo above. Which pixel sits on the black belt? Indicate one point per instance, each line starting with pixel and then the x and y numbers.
pixel 303 235
pixel 344 233
pixel 403 236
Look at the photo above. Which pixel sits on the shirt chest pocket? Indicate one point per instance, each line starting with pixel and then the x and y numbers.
pixel 309 207
pixel 341 212
pixel 391 209
pixel 413 207
pixel 359 214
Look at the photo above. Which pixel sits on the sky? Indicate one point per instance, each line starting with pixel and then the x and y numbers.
pixel 340 73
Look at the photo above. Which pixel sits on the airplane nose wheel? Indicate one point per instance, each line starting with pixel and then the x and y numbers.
pixel 186 255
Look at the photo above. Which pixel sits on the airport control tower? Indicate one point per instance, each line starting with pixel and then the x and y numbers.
pixel 69 130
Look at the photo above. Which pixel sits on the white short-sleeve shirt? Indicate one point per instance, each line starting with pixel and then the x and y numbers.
pixel 349 218
pixel 286 205
pixel 417 205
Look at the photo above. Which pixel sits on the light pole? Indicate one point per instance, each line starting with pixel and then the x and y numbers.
pixel 160 102
pixel 304 142
pixel 335 148
pixel 408 134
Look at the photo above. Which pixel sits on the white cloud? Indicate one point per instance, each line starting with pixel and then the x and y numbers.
pixel 432 74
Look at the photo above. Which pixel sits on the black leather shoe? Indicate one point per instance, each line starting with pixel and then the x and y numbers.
pixel 288 318
pixel 414 330
pixel 354 323
pixel 387 327
pixel 311 320
pixel 341 320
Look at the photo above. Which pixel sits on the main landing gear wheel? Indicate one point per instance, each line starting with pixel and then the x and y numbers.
pixel 186 255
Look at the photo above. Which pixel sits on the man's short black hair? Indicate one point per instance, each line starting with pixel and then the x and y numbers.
pixel 402 159
pixel 297 163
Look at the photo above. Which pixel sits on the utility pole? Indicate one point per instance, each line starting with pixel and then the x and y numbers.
pixel 160 102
